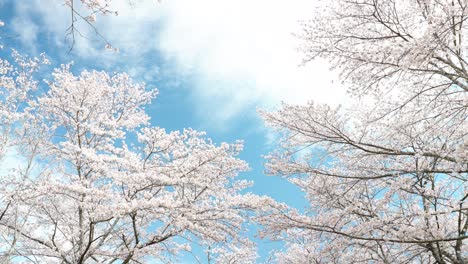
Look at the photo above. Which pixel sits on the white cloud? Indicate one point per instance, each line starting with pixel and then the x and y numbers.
pixel 241 53
pixel 244 53
pixel 25 28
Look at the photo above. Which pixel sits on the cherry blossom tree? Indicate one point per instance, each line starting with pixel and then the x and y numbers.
pixel 378 44
pixel 87 11
pixel 95 183
pixel 242 251
pixel 386 175
pixel 17 83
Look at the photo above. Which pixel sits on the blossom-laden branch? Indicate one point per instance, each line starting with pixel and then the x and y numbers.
pixel 100 185
pixel 385 175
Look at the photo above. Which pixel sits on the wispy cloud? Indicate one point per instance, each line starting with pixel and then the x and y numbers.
pixel 240 54
pixel 244 53
pixel 24 27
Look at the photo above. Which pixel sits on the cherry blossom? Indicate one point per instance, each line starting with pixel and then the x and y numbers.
pixel 385 175
pixel 100 184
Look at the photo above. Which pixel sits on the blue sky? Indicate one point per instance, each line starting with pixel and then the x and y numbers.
pixel 214 63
